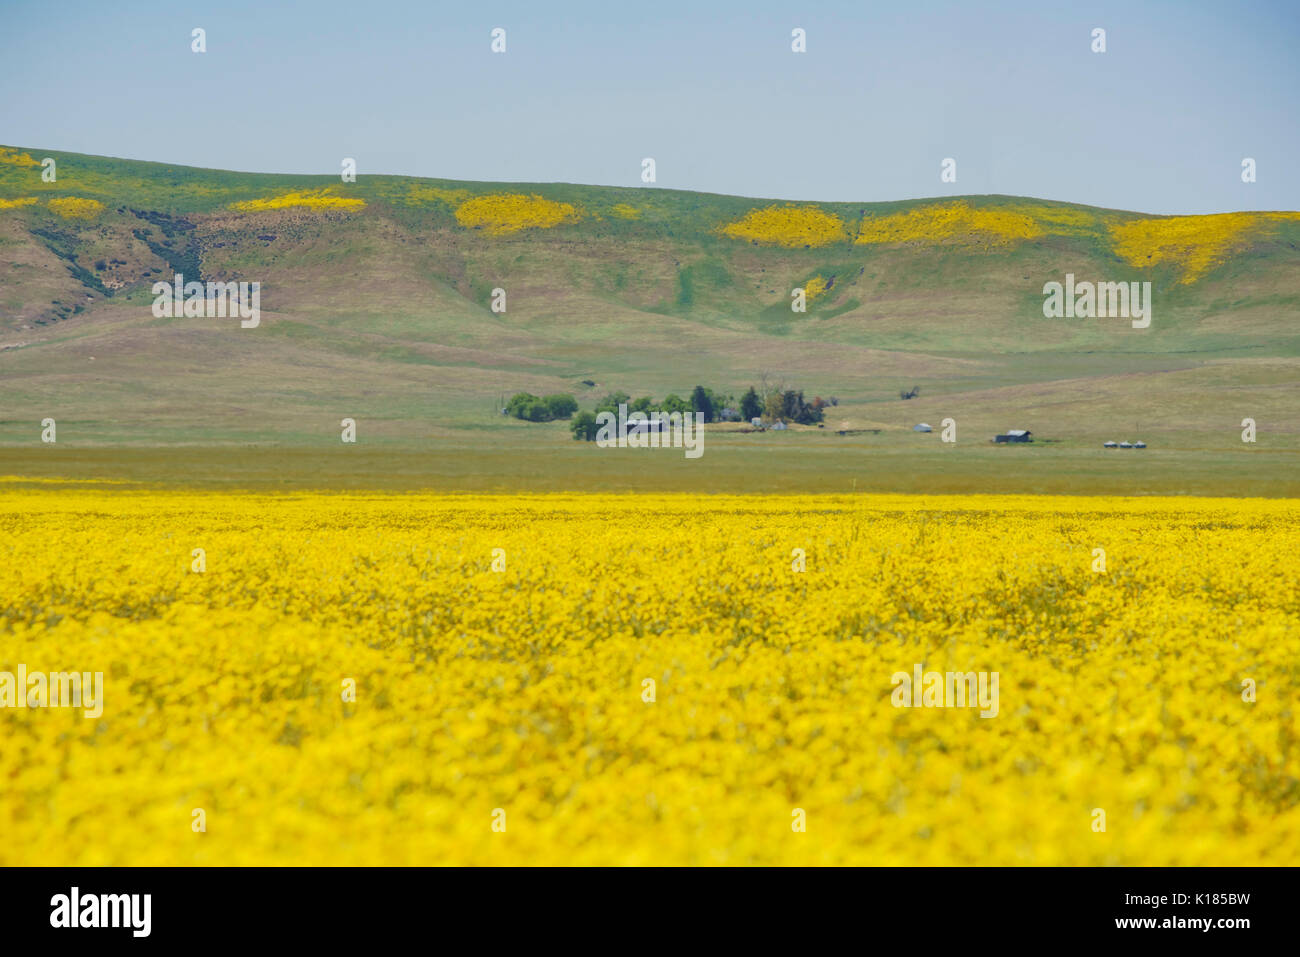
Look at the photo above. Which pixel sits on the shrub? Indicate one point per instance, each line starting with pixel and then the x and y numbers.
pixel 561 405
pixel 530 408
pixel 674 403
pixel 583 427
pixel 612 401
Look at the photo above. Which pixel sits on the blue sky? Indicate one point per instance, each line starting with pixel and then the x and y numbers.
pixel 1011 90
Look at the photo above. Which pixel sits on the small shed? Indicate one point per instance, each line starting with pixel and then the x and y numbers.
pixel 777 426
pixel 1110 445
pixel 923 427
pixel 756 422
pixel 1126 445
pixel 1014 435
pixel 1139 445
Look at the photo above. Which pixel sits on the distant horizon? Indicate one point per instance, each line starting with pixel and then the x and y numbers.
pixel 671 189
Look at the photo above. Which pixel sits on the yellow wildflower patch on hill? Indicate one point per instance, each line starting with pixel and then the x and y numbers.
pixel 1058 220
pixel 815 287
pixel 436 194
pixel 501 213
pixel 1194 244
pixel 624 211
pixel 791 226
pixel 950 222
pixel 76 207
pixel 17 203
pixel 11 157
pixel 317 200
pixel 348 674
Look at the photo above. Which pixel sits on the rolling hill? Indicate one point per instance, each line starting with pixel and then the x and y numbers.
pixel 376 304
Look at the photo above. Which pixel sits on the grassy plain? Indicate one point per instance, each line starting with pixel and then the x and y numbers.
pixel 732 463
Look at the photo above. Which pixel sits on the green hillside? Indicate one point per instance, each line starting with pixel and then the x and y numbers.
pixel 375 299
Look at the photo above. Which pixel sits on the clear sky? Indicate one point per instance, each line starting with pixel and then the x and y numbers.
pixel 1160 122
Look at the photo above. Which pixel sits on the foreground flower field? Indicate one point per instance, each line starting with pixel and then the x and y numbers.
pixel 524 690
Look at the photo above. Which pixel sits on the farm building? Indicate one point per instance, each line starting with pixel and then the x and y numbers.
pixel 1014 435
pixel 778 425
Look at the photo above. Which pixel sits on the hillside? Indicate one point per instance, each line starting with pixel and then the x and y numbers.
pixel 375 304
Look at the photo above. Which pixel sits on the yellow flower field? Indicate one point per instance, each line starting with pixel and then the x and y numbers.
pixel 815 287
pixel 1195 244
pixel 434 194
pixel 76 207
pixel 11 157
pixel 524 689
pixel 959 221
pixel 790 226
pixel 503 213
pixel 315 200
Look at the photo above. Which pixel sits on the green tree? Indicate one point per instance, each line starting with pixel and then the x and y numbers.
pixel 674 403
pixel 612 401
pixel 583 427
pixel 751 406
pixel 702 404
pixel 791 405
pixel 774 406
pixel 561 405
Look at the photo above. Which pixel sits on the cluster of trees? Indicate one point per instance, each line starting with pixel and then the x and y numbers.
pixel 709 404
pixel 533 408
pixel 783 405
pixel 770 403
pixel 712 407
